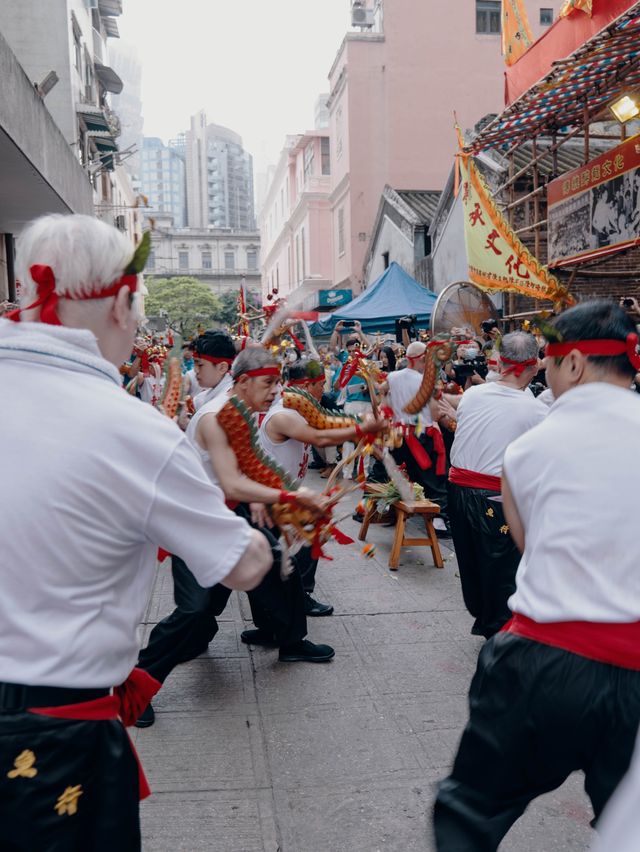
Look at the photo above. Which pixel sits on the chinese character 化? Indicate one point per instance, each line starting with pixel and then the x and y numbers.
pixel 23 765
pixel 491 241
pixel 516 267
pixel 618 162
pixel 68 802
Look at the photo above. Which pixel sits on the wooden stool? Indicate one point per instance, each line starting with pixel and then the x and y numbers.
pixel 428 510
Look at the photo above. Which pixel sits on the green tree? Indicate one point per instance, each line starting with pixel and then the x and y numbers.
pixel 186 302
pixel 229 314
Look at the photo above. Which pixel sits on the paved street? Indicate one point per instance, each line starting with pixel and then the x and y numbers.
pixel 248 754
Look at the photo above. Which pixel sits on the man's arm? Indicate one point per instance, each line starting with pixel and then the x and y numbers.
pixel 516 527
pixel 334 342
pixel 282 426
pixel 235 485
pixel 363 337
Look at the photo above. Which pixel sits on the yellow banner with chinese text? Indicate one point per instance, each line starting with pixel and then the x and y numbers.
pixel 498 261
pixel 570 6
pixel 516 31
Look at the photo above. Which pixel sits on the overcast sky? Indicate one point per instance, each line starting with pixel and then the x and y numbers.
pixel 254 66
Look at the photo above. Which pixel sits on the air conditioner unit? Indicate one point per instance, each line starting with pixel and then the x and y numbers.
pixel 361 17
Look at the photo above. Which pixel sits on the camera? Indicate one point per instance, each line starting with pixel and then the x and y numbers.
pixel 348 323
pixel 537 388
pixel 465 368
pixel 407 324
pixel 488 325
pixel 627 303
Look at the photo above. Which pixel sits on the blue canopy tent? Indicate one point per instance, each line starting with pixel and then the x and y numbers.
pixel 395 294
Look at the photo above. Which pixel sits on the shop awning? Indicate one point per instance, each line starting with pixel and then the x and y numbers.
pixel 93 117
pixel 108 78
pixel 594 75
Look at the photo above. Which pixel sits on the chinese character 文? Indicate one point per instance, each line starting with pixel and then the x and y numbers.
pixel 618 162
pixel 595 173
pixel 585 177
pixel 68 802
pixel 23 765
pixel 607 167
pixel 516 267
pixel 491 241
pixel 476 216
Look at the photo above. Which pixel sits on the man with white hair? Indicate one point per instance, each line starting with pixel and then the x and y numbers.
pixel 490 417
pixel 94 483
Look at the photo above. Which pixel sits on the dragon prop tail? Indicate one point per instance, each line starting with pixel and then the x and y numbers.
pixel 404 488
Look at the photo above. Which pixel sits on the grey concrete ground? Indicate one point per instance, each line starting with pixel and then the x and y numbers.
pixel 249 754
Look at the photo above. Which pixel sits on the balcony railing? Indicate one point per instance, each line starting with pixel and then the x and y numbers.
pixel 161 271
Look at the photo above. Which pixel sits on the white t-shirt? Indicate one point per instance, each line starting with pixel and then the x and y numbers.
pixel 151 389
pixel 213 406
pixel 92 483
pixel 291 455
pixel 225 384
pixel 403 386
pixel 574 479
pixel 490 417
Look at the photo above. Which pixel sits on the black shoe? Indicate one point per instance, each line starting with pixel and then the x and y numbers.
pixel 316 609
pixel 305 651
pixel 258 637
pixel 358 517
pixel 146 718
pixel 314 465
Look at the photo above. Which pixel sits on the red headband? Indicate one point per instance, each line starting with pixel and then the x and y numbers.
pixel 263 371
pixel 518 367
pixel 47 299
pixel 605 348
pixel 213 360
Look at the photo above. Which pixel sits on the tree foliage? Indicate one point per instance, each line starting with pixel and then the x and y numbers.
pixel 187 302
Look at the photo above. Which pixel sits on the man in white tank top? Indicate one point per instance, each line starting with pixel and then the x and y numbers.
pixel 286 435
pixel 558 690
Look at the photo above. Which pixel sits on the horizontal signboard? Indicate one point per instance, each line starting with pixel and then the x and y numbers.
pixel 594 210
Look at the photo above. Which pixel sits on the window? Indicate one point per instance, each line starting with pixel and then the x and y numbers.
pixel 252 259
pixel 546 17
pixel 339 131
pixel 488 13
pixel 151 260
pixel 340 231
pixel 325 151
pixel 229 260
pixel 77 44
pixel 309 154
pixel 183 260
pixel 206 260
pixel 385 259
pixel 304 255
pixel 297 258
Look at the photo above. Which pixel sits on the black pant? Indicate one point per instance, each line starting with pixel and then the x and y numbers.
pixel 537 714
pixel 76 791
pixel 306 567
pixel 435 487
pixel 487 556
pixel 277 607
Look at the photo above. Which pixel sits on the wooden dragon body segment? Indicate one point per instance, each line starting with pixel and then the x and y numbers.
pixel 318 417
pixel 438 353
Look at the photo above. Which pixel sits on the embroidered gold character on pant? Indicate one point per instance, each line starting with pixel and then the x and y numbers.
pixel 489 513
pixel 24 765
pixel 504 529
pixel 68 802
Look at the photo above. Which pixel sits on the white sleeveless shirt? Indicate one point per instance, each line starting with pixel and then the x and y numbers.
pixel 212 407
pixel 291 455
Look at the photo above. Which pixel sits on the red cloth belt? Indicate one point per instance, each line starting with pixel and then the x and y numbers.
pixel 628 347
pixel 47 299
pixel 471 479
pixel 616 644
pixel 418 451
pixel 126 703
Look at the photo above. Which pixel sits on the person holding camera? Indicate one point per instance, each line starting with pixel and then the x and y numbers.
pixel 490 417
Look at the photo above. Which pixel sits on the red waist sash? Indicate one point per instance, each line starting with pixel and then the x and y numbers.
pixel 127 703
pixel 615 644
pixel 471 479
pixel 418 451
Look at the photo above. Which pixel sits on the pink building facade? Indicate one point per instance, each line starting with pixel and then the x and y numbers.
pixel 393 90
pixel 295 223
